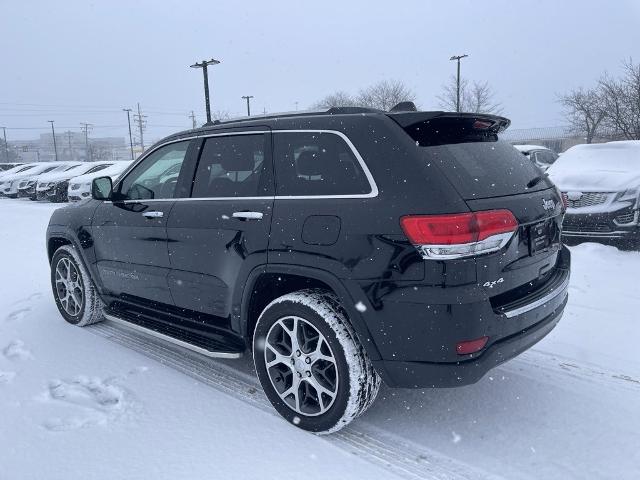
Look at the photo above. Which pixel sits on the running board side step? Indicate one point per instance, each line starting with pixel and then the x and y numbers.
pixel 170 339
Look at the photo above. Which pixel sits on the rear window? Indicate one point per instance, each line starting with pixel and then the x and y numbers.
pixel 473 159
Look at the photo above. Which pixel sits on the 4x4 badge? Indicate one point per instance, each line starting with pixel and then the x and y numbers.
pixel 491 284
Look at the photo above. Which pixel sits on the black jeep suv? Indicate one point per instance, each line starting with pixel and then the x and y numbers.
pixel 338 247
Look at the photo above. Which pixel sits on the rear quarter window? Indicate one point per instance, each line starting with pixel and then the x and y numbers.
pixel 317 164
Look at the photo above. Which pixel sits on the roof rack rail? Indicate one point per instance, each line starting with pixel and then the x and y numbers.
pixel 296 113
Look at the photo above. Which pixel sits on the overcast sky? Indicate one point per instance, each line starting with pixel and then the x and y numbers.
pixel 79 61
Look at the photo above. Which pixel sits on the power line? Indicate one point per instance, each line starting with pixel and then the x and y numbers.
pixel 458 58
pixel 6 146
pixel 248 99
pixel 128 110
pixel 69 135
pixel 203 65
pixel 85 128
pixel 140 120
pixel 55 146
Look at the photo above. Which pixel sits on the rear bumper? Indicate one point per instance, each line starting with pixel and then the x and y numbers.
pixel 416 332
pixel 444 375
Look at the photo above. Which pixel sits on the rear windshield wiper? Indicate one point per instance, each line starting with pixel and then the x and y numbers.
pixel 533 182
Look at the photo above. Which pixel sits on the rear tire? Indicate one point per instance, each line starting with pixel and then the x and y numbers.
pixel 318 377
pixel 76 296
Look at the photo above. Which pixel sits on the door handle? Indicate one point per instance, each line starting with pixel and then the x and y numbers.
pixel 248 215
pixel 153 214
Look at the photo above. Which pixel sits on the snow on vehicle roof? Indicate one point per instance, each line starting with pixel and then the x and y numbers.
pixel 111 171
pixel 602 166
pixel 527 148
pixel 623 156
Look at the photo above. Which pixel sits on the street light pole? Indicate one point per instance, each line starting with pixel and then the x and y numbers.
pixel 55 146
pixel 203 65
pixel 128 110
pixel 247 98
pixel 458 58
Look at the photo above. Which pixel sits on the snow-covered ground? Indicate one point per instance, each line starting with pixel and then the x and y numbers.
pixel 103 402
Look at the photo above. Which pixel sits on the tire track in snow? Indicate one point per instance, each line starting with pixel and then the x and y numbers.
pixel 558 365
pixel 387 451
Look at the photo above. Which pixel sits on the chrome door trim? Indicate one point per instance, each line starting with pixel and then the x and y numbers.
pixel 372 183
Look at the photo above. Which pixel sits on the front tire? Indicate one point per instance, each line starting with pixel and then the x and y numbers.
pixel 310 363
pixel 76 296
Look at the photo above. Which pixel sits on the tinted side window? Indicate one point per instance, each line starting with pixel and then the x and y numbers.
pixel 316 164
pixel 544 156
pixel 97 168
pixel 231 166
pixel 156 176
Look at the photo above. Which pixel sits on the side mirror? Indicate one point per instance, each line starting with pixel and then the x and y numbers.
pixel 101 188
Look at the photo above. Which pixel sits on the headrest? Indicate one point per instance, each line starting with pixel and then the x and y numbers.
pixel 309 163
pixel 237 161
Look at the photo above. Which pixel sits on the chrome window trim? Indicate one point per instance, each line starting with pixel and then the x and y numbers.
pixel 372 183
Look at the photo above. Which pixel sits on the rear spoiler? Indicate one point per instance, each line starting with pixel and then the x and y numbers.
pixel 482 121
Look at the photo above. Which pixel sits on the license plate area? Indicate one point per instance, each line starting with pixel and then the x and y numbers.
pixel 541 235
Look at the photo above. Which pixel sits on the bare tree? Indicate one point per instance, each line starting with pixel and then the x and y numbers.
pixel 584 111
pixel 385 95
pixel 621 101
pixel 477 97
pixel 336 99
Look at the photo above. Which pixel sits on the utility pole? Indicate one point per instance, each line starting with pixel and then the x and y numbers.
pixel 296 105
pixel 458 58
pixel 203 65
pixel 6 147
pixel 193 119
pixel 85 128
pixel 69 135
pixel 128 110
pixel 55 146
pixel 248 98
pixel 140 120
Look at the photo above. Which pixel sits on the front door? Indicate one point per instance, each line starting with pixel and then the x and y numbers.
pixel 130 235
pixel 218 235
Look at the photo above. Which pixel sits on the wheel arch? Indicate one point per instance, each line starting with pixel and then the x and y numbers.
pixel 58 238
pixel 265 284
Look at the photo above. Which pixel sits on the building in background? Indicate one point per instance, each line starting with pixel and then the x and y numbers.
pixel 71 146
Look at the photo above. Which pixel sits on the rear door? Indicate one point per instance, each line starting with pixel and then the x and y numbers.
pixel 221 233
pixel 130 235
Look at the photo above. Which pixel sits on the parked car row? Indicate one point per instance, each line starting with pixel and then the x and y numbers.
pixel 55 181
pixel 4 166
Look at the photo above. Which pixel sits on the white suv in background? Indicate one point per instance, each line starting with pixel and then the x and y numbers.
pixel 54 187
pixel 80 187
pixel 541 156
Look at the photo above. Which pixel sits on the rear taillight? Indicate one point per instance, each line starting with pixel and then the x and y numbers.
pixel 459 235
pixel 565 199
